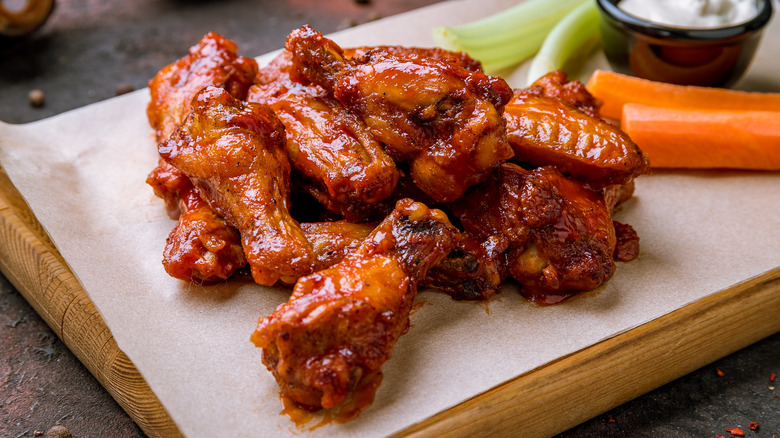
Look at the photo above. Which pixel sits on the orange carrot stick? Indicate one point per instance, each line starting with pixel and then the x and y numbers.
pixel 616 90
pixel 697 138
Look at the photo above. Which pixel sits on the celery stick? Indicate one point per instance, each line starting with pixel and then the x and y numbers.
pixel 570 35
pixel 506 38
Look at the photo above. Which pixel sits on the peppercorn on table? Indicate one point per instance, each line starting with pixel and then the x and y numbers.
pixel 582 384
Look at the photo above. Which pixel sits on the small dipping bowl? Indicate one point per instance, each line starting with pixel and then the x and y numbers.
pixel 687 56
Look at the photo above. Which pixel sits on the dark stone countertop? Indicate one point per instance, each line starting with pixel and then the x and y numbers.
pixel 89 50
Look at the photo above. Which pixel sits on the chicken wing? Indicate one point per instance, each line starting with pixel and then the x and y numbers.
pixel 168 182
pixel 469 272
pixel 233 152
pixel 573 242
pixel 202 247
pixel 343 166
pixel 213 254
pixel 327 344
pixel 557 84
pixel 555 235
pixel 466 273
pixel 332 241
pixel 213 61
pixel 461 58
pixel 544 130
pixel 441 118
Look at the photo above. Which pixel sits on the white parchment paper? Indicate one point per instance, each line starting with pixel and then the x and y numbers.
pixel 83 174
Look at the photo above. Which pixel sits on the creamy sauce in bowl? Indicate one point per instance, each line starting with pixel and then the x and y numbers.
pixel 700 14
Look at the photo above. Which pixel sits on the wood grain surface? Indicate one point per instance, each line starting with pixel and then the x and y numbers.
pixel 543 402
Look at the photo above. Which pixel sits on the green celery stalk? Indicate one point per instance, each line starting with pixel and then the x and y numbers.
pixel 569 36
pixel 509 37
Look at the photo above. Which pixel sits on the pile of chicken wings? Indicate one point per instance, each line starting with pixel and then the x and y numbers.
pixel 358 175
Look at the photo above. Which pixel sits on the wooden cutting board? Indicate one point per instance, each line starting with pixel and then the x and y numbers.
pixel 543 402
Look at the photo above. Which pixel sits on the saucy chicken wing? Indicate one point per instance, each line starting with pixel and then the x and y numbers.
pixel 343 166
pixel 213 61
pixel 233 152
pixel 202 247
pixel 556 235
pixel 466 273
pixel 544 130
pixel 557 84
pixel 327 344
pixel 168 182
pixel 442 119
pixel 469 272
pixel 461 58
pixel 332 241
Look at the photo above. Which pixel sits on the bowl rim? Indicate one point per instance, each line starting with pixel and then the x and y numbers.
pixel 636 24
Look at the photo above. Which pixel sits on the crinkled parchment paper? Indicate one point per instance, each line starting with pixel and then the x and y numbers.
pixel 83 174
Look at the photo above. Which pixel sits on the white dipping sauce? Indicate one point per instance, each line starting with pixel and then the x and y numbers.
pixel 692 13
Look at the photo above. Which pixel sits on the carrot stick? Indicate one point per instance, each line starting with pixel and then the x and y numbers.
pixel 616 90
pixel 696 138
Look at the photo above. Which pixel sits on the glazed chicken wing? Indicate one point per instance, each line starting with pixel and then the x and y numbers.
pixel 202 247
pixel 213 61
pixel 556 234
pixel 557 84
pixel 168 182
pixel 327 344
pixel 332 241
pixel 233 152
pixel 460 58
pixel 343 166
pixel 573 241
pixel 544 130
pixel 466 273
pixel 441 118
pixel 469 272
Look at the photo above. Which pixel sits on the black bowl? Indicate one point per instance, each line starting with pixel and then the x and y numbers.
pixel 708 57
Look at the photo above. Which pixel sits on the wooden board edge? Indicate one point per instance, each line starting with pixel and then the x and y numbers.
pixel 564 393
pixel 32 264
